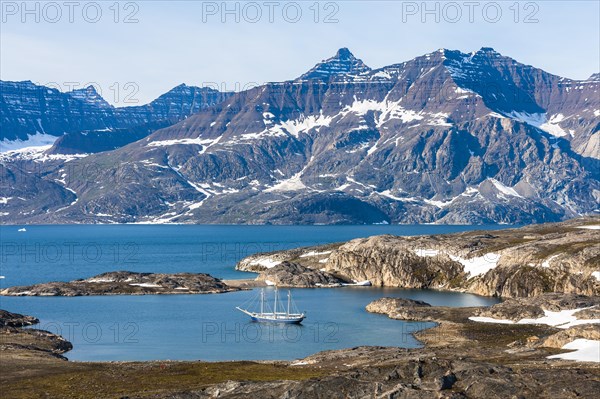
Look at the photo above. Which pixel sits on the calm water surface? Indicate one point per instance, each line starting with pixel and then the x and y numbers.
pixel 207 327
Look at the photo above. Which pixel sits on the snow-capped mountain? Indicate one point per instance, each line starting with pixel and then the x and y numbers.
pixel 447 137
pixel 29 112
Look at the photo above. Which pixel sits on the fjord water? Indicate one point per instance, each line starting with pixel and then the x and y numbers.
pixel 207 327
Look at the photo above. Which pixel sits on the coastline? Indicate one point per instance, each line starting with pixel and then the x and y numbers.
pixel 453 346
pixel 245 283
pixel 460 357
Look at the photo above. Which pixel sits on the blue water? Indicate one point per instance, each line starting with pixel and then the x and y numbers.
pixel 206 327
pixel 62 253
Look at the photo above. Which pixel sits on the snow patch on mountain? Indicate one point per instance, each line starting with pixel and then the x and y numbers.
pixel 388 194
pixel 305 124
pixel 439 119
pixel 541 121
pixel 196 141
pixel 440 204
pixel 426 252
pixel 294 183
pixel 479 265
pixel 590 227
pixel 266 262
pixel 37 154
pixel 388 110
pixel 561 319
pixel 504 189
pixel 382 74
pixel 314 253
pixel 585 350
pixel 33 140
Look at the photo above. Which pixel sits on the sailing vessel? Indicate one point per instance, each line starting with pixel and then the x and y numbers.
pixel 279 313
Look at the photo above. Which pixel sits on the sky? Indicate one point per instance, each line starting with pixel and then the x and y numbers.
pixel 134 51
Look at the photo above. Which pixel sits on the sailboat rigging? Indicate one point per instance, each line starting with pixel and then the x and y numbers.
pixel 285 315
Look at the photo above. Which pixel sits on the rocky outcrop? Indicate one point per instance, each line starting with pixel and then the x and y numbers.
pixel 561 338
pixel 287 274
pixel 8 319
pixel 405 309
pixel 526 262
pixel 313 257
pixel 590 313
pixel 127 283
pixel 516 314
pixel 518 280
pixel 385 261
pixel 415 378
pixel 516 309
pixel 16 341
pixel 376 372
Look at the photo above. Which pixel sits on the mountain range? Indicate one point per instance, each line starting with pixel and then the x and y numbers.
pixel 447 137
pixel 79 116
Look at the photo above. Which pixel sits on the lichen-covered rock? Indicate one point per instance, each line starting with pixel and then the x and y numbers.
pixel 388 261
pixel 28 342
pixel 127 283
pixel 516 309
pixel 289 274
pixel 9 319
pixel 524 262
pixel 561 338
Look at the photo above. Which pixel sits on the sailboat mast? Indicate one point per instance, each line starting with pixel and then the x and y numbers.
pixel 275 305
pixel 289 300
pixel 262 301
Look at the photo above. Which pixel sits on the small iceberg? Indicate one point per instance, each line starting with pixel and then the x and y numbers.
pixel 1 277
pixel 22 229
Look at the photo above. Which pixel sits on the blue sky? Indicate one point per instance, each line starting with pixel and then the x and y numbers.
pixel 188 41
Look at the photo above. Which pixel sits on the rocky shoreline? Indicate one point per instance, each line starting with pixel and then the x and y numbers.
pixel 562 318
pixel 542 341
pixel 30 343
pixel 462 358
pixel 127 283
pixel 524 262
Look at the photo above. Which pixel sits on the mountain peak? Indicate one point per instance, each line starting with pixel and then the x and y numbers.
pixel 342 63
pixel 488 51
pixel 188 90
pixel 89 95
pixel 181 88
pixel 90 90
pixel 344 54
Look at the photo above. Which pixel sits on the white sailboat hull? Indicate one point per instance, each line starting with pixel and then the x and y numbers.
pixel 292 318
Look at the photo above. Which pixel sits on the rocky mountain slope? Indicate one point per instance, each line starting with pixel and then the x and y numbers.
pixel 28 110
pixel 447 137
pixel 523 262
